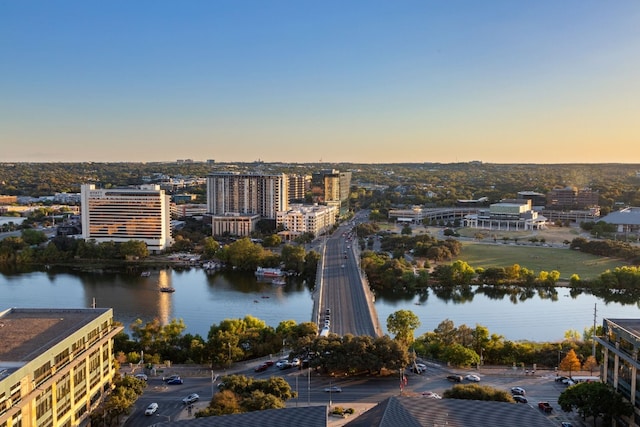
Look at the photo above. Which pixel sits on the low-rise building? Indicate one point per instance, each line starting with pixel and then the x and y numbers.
pixel 621 362
pixel 511 215
pixel 300 219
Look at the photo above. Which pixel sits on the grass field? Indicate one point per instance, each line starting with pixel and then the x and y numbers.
pixel 537 258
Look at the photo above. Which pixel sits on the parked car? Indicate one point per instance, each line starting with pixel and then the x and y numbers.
pixel 518 391
pixel 454 378
pixel 269 363
pixel 333 389
pixel 193 397
pixel 520 399
pixel 175 381
pixel 151 409
pixel 472 377
pixel 561 379
pixel 566 424
pixel 142 377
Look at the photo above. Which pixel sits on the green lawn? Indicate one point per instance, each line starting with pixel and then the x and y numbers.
pixel 537 258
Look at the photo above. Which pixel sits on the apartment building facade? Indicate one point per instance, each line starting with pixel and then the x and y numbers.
pixel 235 199
pixel 122 214
pixel 300 219
pixel 56 365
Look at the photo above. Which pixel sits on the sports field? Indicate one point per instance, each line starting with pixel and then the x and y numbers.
pixel 537 258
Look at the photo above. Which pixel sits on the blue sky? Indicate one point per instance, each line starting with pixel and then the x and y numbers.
pixel 302 81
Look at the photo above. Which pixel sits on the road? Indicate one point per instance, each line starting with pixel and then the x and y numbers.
pixel 359 392
pixel 343 289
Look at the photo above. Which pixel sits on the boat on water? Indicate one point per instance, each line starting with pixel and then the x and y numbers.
pixel 167 289
pixel 279 281
pixel 269 272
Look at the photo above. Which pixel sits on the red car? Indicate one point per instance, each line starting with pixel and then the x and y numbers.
pixel 261 368
pixel 269 362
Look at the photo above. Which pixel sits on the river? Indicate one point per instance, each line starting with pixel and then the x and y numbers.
pixel 204 299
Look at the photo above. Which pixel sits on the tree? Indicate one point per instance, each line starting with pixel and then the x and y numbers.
pixel 570 362
pixel 134 249
pixel 402 323
pixel 459 355
pixel 595 399
pixel 210 247
pixel 477 392
pixel 591 363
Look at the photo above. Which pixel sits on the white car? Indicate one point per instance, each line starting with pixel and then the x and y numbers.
pixel 472 377
pixel 193 397
pixel 518 390
pixel 142 377
pixel 333 389
pixel 151 409
pixel 281 363
pixel 431 395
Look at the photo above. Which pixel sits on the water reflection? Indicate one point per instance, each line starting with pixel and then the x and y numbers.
pixel 202 300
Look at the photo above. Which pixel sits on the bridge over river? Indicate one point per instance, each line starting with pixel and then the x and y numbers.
pixel 343 296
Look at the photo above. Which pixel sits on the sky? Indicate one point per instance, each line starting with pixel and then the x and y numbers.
pixel 500 81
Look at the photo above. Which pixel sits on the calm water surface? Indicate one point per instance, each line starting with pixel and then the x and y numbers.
pixel 202 300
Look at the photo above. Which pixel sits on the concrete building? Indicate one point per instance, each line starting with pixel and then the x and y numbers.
pixel 331 187
pixel 233 224
pixel 627 220
pixel 234 199
pixel 301 219
pixel 621 348
pixel 299 185
pixel 537 199
pixel 572 198
pixel 123 214
pixel 512 215
pixel 56 365
pixel 415 215
pixel 188 210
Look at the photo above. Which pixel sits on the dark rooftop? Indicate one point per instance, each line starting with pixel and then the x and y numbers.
pixel 422 412
pixel 308 416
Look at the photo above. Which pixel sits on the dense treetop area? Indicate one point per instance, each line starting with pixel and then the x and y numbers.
pixel 452 181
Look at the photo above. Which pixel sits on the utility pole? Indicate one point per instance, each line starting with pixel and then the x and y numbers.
pixel 593 335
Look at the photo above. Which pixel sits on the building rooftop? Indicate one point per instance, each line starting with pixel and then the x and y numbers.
pixel 631 325
pixel 421 412
pixel 29 332
pixel 627 216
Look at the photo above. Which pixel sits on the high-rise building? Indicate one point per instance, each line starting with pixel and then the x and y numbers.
pixel 55 365
pixel 298 187
pixel 236 201
pixel 123 214
pixel 331 187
